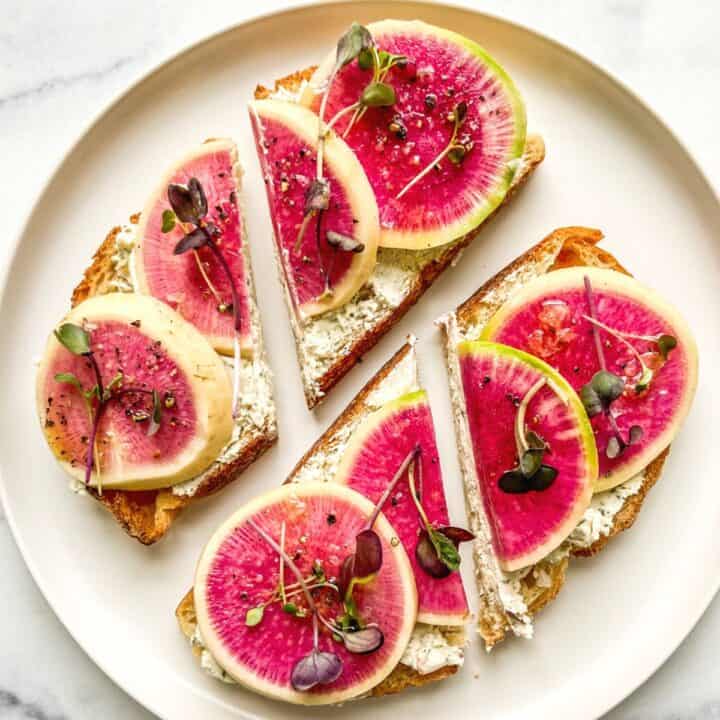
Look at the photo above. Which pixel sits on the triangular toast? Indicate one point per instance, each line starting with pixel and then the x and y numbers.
pixel 399 375
pixel 508 601
pixel 147 515
pixel 329 345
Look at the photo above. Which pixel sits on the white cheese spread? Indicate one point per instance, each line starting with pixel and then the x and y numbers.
pixel 429 650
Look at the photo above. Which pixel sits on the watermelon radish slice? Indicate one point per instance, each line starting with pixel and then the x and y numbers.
pixel 376 449
pixel 152 348
pixel 287 136
pixel 548 318
pixel 194 283
pixel 395 144
pixel 238 572
pixel 496 379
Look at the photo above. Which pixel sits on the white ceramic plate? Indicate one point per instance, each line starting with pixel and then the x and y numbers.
pixel 611 164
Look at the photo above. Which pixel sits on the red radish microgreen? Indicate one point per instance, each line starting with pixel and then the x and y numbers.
pixel 605 387
pixel 318 667
pixel 530 473
pixel 77 340
pixel 455 150
pixel 189 203
pixel 437 548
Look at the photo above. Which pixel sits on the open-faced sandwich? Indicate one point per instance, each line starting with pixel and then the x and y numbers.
pixel 569 380
pixel 154 390
pixel 295 599
pixel 380 165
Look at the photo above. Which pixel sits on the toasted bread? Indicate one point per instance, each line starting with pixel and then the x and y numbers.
pixel 320 376
pixel 321 461
pixel 147 515
pixel 565 247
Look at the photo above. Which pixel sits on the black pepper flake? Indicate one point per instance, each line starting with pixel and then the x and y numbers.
pixel 431 101
pixel 331 519
pixel 134 323
pixel 486 380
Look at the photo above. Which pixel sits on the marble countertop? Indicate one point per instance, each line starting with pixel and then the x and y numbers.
pixel 60 63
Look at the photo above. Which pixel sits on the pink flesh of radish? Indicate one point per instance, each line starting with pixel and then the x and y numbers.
pixel 453 75
pixel 521 522
pixel 552 327
pixel 290 165
pixel 245 572
pixel 119 347
pixel 176 279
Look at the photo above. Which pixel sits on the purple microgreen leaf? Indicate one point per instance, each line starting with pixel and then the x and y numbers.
pixel 254 616
pixel 457 534
pixel 168 221
pixel 316 668
pixel 514 482
pixel 197 195
pixel 665 344
pixel 363 642
pixel 344 242
pixel 368 554
pixel 636 433
pixel 317 196
pixel 156 416
pixel 181 201
pixel 194 240
pixel 74 338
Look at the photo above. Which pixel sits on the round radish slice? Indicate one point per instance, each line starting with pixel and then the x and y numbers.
pixel 529 517
pixel 319 276
pixel 194 283
pixel 407 142
pixel 140 345
pixel 239 572
pixel 549 318
pixel 376 450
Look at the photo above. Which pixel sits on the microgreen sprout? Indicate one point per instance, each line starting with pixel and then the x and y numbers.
pixel 189 203
pixel 605 387
pixel 437 548
pixel 455 150
pixel 530 473
pixel 77 340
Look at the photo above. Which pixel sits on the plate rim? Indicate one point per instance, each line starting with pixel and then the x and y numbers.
pixel 701 601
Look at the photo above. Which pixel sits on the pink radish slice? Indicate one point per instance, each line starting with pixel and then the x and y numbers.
pixel 178 279
pixel 239 571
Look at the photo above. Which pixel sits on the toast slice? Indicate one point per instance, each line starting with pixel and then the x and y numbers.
pixel 147 515
pixel 397 377
pixel 328 346
pixel 508 601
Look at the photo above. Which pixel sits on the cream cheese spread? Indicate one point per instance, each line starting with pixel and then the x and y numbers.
pixel 429 650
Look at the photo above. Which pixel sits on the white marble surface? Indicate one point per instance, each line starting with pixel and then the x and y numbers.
pixel 60 63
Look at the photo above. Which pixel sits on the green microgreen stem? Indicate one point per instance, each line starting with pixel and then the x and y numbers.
pixel 458 117
pixel 396 478
pixel 288 560
pixel 593 314
pixel 520 438
pixel 414 494
pixel 207 280
pixel 282 563
pixel 646 373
